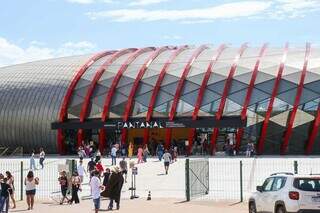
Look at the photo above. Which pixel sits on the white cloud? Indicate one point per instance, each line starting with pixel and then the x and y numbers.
pixel 293 8
pixel 268 9
pixel 230 10
pixel 145 2
pixel 11 53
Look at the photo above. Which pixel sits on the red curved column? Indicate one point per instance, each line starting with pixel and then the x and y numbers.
pixel 99 73
pixel 288 132
pixel 177 95
pixel 225 93
pixel 157 86
pixel 117 78
pixel 261 141
pixel 135 85
pixel 201 93
pixel 314 133
pixel 64 106
pixel 240 131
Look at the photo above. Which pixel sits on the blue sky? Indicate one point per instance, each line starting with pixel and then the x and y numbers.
pixel 38 29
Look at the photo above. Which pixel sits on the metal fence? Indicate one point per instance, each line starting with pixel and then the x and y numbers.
pixel 228 178
pixel 197 178
pixel 236 179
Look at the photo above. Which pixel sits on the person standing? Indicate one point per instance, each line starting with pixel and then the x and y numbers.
pixel 98 156
pixel 4 193
pixel 160 151
pixel 76 186
pixel 41 157
pixel 91 167
pixel 140 155
pixel 106 176
pixel 114 155
pixel 81 171
pixel 145 153
pixel 10 181
pixel 167 159
pixel 115 184
pixel 32 161
pixel 63 181
pixel 95 186
pixel 124 168
pixel 130 150
pixel 30 183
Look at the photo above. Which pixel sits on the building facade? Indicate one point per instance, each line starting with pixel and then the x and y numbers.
pixel 267 95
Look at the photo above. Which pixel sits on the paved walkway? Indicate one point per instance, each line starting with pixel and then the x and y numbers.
pixel 141 206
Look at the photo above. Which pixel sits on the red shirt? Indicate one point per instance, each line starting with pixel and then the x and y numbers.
pixel 99 167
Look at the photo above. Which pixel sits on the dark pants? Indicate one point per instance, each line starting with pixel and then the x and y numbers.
pixel 41 162
pixel 4 201
pixel 114 160
pixel 111 203
pixel 75 196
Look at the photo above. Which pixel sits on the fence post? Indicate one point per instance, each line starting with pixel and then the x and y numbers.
pixel 187 180
pixel 21 180
pixel 241 182
pixel 295 167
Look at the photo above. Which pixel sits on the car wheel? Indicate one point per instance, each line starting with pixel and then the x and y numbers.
pixel 281 209
pixel 252 207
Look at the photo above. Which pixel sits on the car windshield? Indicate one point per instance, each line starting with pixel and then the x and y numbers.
pixel 307 184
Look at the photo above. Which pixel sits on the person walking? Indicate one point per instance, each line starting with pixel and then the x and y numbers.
pixel 114 155
pixel 30 183
pixel 10 181
pixel 75 187
pixel 124 168
pixel 130 150
pixel 4 194
pixel 160 151
pixel 140 155
pixel 98 156
pixel 145 153
pixel 41 157
pixel 95 186
pixel 91 167
pixel 167 159
pixel 115 184
pixel 32 161
pixel 81 171
pixel 63 181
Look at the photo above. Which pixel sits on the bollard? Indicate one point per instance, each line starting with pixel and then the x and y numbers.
pixel 295 167
pixel 241 183
pixel 187 180
pixel 21 180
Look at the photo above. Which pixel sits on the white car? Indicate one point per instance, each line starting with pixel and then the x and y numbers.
pixel 286 192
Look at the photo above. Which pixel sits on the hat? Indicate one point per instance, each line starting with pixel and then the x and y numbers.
pixel 115 169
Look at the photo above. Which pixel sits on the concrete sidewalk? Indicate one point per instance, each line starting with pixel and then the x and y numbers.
pixel 139 205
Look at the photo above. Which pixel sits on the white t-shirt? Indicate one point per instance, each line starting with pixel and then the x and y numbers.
pixel 80 170
pixel 95 187
pixel 42 154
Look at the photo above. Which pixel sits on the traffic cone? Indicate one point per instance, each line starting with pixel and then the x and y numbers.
pixel 149 196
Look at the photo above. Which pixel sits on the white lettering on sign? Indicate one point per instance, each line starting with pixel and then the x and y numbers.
pixel 139 124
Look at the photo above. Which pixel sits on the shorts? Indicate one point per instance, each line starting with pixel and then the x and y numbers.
pixel 96 203
pixel 64 192
pixel 31 192
pixel 10 191
pixel 166 163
